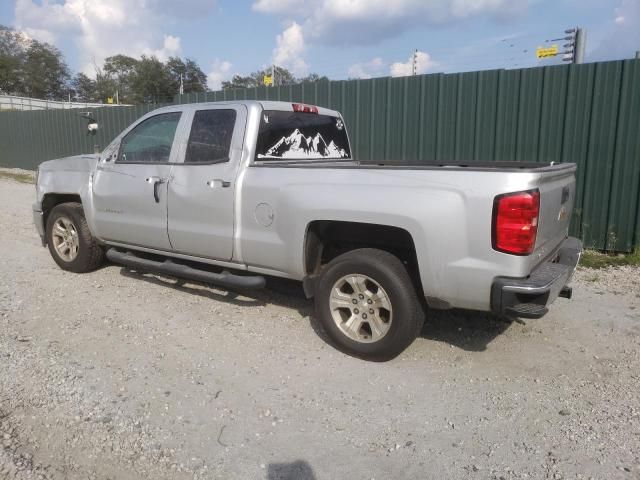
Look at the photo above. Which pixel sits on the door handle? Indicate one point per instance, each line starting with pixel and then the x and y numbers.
pixel 217 181
pixel 156 181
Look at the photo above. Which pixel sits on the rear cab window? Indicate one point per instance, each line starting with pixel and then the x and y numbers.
pixel 301 136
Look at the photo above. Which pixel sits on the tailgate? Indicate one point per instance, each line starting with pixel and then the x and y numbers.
pixel 557 193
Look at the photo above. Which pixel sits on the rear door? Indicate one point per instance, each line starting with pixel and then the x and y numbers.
pixel 130 191
pixel 202 188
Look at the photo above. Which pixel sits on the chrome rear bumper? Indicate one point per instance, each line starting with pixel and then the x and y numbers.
pixel 530 297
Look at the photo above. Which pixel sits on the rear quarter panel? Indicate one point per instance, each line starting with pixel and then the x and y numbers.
pixel 447 212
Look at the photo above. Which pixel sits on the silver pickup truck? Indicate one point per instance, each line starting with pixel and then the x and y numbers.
pixel 232 193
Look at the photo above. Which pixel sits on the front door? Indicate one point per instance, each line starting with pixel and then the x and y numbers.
pixel 130 193
pixel 202 188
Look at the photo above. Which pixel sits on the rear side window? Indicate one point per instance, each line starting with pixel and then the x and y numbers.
pixel 150 141
pixel 210 138
pixel 301 136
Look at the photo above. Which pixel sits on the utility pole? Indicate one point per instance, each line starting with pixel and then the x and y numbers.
pixel 581 42
pixel 574 52
pixel 181 85
pixel 117 98
pixel 415 61
pixel 273 75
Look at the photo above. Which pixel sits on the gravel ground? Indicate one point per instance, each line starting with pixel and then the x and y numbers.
pixel 113 375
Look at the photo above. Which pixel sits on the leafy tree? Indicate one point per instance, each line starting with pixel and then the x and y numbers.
pixel 193 78
pixel 84 88
pixel 238 81
pixel 10 63
pixel 105 85
pixel 313 77
pixel 122 70
pixel 44 72
pixel 36 69
pixel 29 67
pixel 152 82
pixel 255 79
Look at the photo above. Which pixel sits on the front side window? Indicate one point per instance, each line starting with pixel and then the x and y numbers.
pixel 301 136
pixel 151 141
pixel 210 138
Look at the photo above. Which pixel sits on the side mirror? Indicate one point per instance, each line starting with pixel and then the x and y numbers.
pixel 110 153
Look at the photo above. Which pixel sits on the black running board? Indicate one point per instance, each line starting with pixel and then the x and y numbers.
pixel 224 279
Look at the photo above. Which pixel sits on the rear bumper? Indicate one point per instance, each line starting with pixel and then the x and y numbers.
pixel 530 297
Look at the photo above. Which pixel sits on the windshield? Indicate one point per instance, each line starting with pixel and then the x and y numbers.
pixel 301 136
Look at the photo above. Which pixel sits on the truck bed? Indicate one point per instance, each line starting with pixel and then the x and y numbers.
pixel 530 167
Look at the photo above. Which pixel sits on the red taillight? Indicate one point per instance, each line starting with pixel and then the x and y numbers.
pixel 301 107
pixel 515 222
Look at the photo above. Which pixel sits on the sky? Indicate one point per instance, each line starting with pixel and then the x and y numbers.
pixel 337 38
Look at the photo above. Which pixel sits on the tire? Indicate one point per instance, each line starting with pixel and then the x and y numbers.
pixel 83 253
pixel 376 275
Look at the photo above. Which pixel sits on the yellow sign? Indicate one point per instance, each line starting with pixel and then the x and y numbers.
pixel 109 99
pixel 551 51
pixel 267 80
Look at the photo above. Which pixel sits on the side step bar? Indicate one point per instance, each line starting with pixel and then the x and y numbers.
pixel 224 279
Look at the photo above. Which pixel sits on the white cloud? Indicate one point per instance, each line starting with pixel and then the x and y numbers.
pixel 372 68
pixel 367 21
pixel 622 38
pixel 378 67
pixel 424 64
pixel 278 6
pixel 107 27
pixel 170 48
pixel 290 48
pixel 220 71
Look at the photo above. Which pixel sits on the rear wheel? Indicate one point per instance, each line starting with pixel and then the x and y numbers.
pixel 368 305
pixel 70 241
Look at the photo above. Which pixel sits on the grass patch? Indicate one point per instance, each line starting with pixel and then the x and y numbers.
pixel 18 177
pixel 594 259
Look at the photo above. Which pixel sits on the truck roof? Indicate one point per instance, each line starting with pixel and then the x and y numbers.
pixel 262 104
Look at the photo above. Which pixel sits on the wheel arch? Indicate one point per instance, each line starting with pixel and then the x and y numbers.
pixel 51 200
pixel 328 239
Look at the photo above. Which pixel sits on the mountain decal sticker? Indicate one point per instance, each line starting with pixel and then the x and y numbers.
pixel 297 146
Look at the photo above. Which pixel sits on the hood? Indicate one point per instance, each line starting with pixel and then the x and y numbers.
pixel 77 163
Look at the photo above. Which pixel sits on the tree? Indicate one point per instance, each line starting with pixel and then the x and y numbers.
pixel 238 81
pixel 152 81
pixel 256 79
pixel 84 88
pixel 45 74
pixel 10 64
pixel 193 78
pixel 31 68
pixel 122 70
pixel 313 77
pixel 105 86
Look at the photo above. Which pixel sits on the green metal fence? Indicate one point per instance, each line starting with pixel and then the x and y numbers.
pixel 29 138
pixel 588 114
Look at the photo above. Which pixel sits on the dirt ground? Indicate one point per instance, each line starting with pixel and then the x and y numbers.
pixel 114 375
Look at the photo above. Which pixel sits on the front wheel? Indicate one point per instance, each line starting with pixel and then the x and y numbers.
pixel 368 305
pixel 70 241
